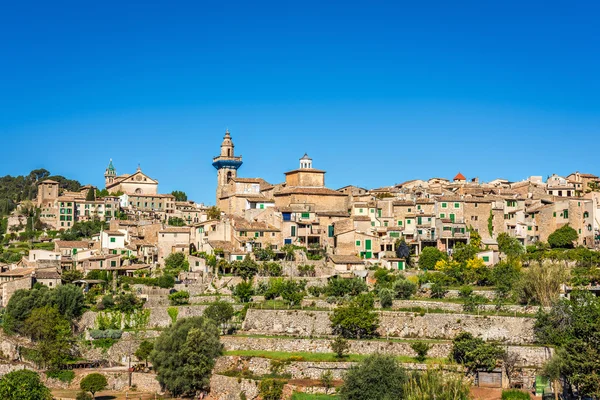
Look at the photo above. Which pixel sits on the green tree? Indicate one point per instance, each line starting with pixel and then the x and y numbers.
pixel 213 213
pixel 71 275
pixel 220 312
pixel 179 195
pixel 179 298
pixel 421 348
pixel 292 292
pixel 563 237
pixel 247 268
pixel 243 291
pixel 176 262
pixel 144 350
pixel 510 246
pixel 377 377
pixel 270 389
pixel 474 353
pixel 176 221
pixel 327 380
pixel 93 383
pixel 339 287
pixel 404 289
pixel 429 257
pixel 356 319
pixel 184 355
pixel 23 384
pixel 69 300
pixel 91 195
pixel 340 347
pixel 51 333
pixel 573 326
pixel 464 252
pixel 386 297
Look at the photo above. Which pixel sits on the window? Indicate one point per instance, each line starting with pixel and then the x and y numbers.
pixel 442 215
pixel 242 233
pixel 113 263
pixel 394 234
pixel 456 205
pixel 554 214
pixel 399 223
pixel 372 210
pixel 586 214
pixel 372 223
pixel 330 231
pixel 486 259
pixel 408 221
pixel 112 240
pixel 410 209
pixel 358 242
pixel 305 215
pixel 444 205
pixel 360 210
pixel 293 233
pixel 287 216
pixel 566 213
pixel 529 228
pixel 418 207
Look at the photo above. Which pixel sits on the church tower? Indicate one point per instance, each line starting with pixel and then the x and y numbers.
pixel 110 174
pixel 226 164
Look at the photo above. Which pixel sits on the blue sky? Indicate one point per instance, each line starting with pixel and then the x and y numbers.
pixel 376 92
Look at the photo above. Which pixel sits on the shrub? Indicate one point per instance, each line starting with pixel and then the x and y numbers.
pixel 65 376
pixel 106 334
pixel 386 297
pixel 340 347
pixel 421 348
pixel 315 291
pixel 243 291
pixel 404 289
pixel 515 395
pixel 438 291
pixel 173 311
pixel 377 377
pixel 179 298
pixel 270 389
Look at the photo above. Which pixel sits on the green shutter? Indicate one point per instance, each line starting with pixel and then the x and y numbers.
pixel 358 242
pixel 486 258
pixel 305 215
pixel 293 230
pixel 330 230
pixel 368 245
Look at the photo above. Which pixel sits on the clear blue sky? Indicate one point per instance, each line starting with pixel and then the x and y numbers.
pixel 376 92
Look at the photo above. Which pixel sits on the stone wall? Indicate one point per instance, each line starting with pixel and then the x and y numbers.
pixel 159 316
pixel 528 355
pixel 229 388
pixel 395 324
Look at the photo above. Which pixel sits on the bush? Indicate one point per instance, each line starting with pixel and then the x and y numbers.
pixel 179 298
pixel 421 348
pixel 270 389
pixel 106 334
pixel 563 237
pixel 83 396
pixel 515 395
pixel 243 291
pixel 377 377
pixel 438 291
pixel 338 287
pixel 404 289
pixel 315 291
pixel 340 347
pixel 386 297
pixel 65 376
pixel 355 319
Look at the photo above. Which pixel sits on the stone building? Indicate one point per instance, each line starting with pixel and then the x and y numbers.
pixel 136 183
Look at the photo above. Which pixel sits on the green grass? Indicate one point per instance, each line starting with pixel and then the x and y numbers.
pixel 308 396
pixel 318 357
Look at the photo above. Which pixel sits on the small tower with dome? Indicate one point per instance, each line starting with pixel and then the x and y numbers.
pixel 306 162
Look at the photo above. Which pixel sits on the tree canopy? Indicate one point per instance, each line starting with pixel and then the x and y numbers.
pixel 356 319
pixel 377 377
pixel 573 326
pixel 179 195
pixel 184 355
pixel 93 383
pixel 23 384
pixel 563 237
pixel 430 256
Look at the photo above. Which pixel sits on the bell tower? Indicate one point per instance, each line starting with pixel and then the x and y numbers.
pixel 226 164
pixel 110 174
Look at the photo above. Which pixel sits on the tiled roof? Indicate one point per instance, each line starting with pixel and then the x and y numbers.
pixel 72 244
pixel 333 213
pixel 175 229
pixel 361 218
pixel 341 259
pixel 305 170
pixel 241 224
pixel 47 274
pixel 309 190
pixel 114 233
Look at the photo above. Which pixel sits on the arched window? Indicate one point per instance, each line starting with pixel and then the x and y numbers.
pixel 228 152
pixel 228 176
pixel 586 214
pixel 138 191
